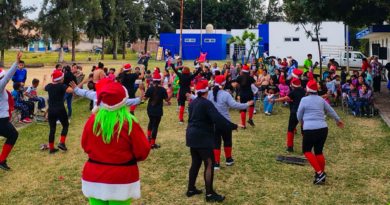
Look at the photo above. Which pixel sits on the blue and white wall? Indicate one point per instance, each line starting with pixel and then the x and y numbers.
pixel 282 39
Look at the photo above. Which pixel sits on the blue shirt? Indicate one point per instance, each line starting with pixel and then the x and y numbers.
pixel 311 112
pixel 20 76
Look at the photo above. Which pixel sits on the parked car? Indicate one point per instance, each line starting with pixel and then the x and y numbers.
pixel 98 49
pixel 66 49
pixel 355 59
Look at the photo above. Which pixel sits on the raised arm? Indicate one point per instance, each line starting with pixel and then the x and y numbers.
pixel 174 70
pixel 83 93
pixel 142 73
pixel 11 72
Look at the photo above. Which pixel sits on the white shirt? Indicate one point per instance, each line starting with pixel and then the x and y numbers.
pixel 207 64
pixel 214 69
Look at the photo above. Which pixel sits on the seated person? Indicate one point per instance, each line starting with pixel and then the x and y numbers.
pixel 20 106
pixel 331 89
pixel 354 102
pixel 364 99
pixel 31 93
pixel 345 88
pixel 283 89
pixel 271 91
pixel 264 80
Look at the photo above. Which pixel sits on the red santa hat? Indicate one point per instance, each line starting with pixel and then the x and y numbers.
pixel 297 73
pixel 186 70
pixel 219 80
pixel 102 82
pixel 57 75
pixel 127 67
pixel 112 96
pixel 295 82
pixel 312 86
pixel 245 69
pixel 2 73
pixel 156 76
pixel 201 86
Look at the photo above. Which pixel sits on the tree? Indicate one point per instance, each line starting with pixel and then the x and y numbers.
pixel 240 41
pixel 309 15
pixel 100 22
pixel 274 12
pixel 256 9
pixel 11 11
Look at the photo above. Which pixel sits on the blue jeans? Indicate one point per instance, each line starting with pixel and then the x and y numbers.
pixel 268 106
pixel 41 101
pixel 365 104
pixel 354 106
pixel 68 97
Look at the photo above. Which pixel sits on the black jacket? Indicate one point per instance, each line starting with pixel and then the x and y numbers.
pixel 185 80
pixel 68 77
pixel 203 117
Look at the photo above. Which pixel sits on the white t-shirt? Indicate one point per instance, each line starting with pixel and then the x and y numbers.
pixel 214 69
pixel 207 64
pixel 32 91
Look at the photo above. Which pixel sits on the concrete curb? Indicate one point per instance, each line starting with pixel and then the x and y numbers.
pixel 384 117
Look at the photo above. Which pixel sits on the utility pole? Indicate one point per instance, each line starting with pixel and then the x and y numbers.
pixel 347 40
pixel 201 23
pixel 181 29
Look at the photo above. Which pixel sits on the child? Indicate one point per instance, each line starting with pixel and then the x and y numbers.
pixel 20 74
pixel 148 77
pixel 111 74
pixel 211 81
pixel 354 103
pixel 271 92
pixel 31 93
pixel 20 106
pixel 284 90
pixel 345 88
pixel 343 75
pixel 364 99
pixel 330 85
pixel 369 73
pixel 322 91
pixel 353 79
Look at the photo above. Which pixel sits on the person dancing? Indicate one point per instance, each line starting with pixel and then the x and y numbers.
pixel 185 79
pixel 114 142
pixel 56 91
pixel 128 79
pixel 156 95
pixel 315 130
pixel 294 97
pixel 203 118
pixel 7 130
pixel 245 81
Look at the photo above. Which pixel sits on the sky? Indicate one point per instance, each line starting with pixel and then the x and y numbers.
pixel 36 3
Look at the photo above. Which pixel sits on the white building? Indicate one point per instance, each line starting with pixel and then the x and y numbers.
pixel 379 40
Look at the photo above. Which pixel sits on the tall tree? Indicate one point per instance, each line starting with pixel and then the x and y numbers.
pixel 256 10
pixel 11 11
pixel 77 11
pixel 100 22
pixel 274 11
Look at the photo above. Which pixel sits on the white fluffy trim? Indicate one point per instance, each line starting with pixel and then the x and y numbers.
pixel 105 192
pixel 245 71
pixel 202 90
pixel 293 75
pixel 296 86
pixel 59 78
pixel 310 90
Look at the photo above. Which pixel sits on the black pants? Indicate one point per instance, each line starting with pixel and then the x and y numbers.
pixel 244 98
pixel 377 84
pixel 31 107
pixel 8 131
pixel 200 155
pixel 182 98
pixel 62 116
pixel 154 122
pixel 91 104
pixel 225 135
pixel 292 122
pixel 314 138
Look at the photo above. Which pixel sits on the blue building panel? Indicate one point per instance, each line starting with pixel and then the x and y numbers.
pixel 213 44
pixel 373 29
pixel 264 33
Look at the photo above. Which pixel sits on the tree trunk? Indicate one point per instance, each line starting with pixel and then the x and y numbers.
pixel 73 51
pixel 124 50
pixel 115 52
pixel 146 45
pixel 2 58
pixel 102 48
pixel 61 55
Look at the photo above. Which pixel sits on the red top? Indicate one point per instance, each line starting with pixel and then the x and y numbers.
pixel 119 151
pixel 284 64
pixel 364 66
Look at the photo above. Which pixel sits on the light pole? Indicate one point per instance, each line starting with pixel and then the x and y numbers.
pixel 181 29
pixel 201 23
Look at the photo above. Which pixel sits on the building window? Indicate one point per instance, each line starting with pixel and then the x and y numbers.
pixel 324 39
pixel 287 39
pixel 190 40
pixel 209 40
pixel 295 39
pixel 240 50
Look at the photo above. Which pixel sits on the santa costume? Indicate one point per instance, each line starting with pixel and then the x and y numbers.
pixel 114 142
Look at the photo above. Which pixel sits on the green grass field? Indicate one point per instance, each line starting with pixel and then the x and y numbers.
pixel 357 159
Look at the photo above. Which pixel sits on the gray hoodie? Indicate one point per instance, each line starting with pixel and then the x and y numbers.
pixel 4 107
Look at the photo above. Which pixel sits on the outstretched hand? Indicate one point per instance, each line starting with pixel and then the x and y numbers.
pixel 142 95
pixel 239 125
pixel 18 56
pixel 73 84
pixel 340 124
pixel 269 100
pixel 250 103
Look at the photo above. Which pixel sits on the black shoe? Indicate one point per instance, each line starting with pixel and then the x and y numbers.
pixel 52 151
pixel 214 197
pixel 3 165
pixel 155 146
pixel 132 112
pixel 216 165
pixel 290 149
pixel 250 121
pixel 62 146
pixel 229 161
pixel 243 128
pixel 195 192
pixel 319 178
pixel 181 121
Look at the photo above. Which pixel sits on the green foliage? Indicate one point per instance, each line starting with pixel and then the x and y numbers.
pixel 274 12
pixel 245 36
pixel 109 47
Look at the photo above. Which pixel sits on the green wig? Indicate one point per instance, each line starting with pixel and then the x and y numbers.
pixel 105 122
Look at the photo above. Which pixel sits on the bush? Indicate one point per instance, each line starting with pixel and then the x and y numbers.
pixel 109 47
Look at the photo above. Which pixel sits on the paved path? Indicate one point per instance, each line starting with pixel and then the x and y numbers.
pixel 382 102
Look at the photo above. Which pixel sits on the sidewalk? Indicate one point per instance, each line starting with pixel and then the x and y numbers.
pixel 382 102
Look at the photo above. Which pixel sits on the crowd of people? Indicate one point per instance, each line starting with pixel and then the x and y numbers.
pixel 210 91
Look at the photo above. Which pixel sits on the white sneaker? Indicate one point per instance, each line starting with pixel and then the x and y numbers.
pixel 69 121
pixel 58 122
pixel 254 111
pixel 266 112
pixel 43 110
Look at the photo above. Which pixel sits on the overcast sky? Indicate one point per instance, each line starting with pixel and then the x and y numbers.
pixel 36 3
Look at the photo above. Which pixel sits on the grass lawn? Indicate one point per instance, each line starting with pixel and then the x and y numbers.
pixel 357 159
